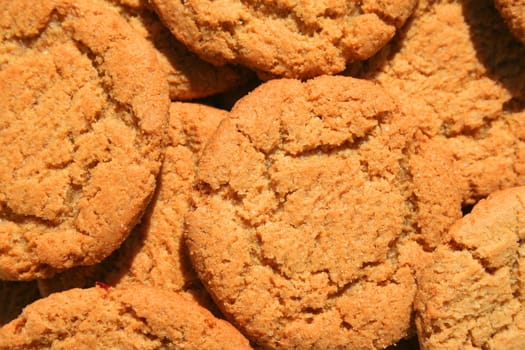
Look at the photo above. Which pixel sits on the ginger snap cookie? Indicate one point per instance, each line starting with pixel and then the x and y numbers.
pixel 14 296
pixel 136 317
pixel 284 38
pixel 82 116
pixel 463 73
pixel 189 77
pixel 513 12
pixel 154 253
pixel 470 295
pixel 304 223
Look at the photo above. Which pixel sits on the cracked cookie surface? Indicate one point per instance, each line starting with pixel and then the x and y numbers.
pixel 136 317
pixel 462 72
pixel 303 223
pixel 285 38
pixel 154 253
pixel 471 293
pixel 82 115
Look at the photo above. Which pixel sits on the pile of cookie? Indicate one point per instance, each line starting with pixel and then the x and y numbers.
pixel 262 174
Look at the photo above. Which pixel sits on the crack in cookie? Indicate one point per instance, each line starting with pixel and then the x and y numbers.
pixel 154 254
pixel 456 65
pixel 126 317
pixel 470 290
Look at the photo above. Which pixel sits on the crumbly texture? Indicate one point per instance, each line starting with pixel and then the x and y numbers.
pixel 155 254
pixel 189 77
pixel 285 38
pixel 436 196
pixel 461 71
pixel 471 293
pixel 136 317
pixel 14 296
pixel 307 206
pixel 83 113
pixel 513 12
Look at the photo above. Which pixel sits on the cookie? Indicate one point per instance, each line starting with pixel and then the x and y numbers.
pixel 470 295
pixel 284 38
pixel 189 77
pixel 307 206
pixel 14 296
pixel 456 64
pixel 513 12
pixel 154 253
pixel 82 116
pixel 126 318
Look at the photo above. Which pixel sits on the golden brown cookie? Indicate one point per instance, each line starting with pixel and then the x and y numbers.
pixel 456 64
pixel 82 114
pixel 189 77
pixel 304 224
pixel 436 195
pixel 471 293
pixel 136 317
pixel 513 12
pixel 14 296
pixel 284 38
pixel 154 253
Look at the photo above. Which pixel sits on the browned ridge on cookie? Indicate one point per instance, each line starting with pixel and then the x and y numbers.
pixel 471 293
pixel 83 105
pixel 304 224
pixel 136 317
pixel 284 38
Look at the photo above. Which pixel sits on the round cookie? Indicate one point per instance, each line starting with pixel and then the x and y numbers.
pixel 82 116
pixel 189 77
pixel 136 317
pixel 284 38
pixel 154 253
pixel 456 64
pixel 470 294
pixel 305 221
pixel 14 296
pixel 513 12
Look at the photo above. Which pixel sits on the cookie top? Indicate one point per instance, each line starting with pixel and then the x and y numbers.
pixel 82 120
pixel 14 297
pixel 189 77
pixel 462 72
pixel 470 295
pixel 284 38
pixel 513 12
pixel 306 205
pixel 126 318
pixel 154 253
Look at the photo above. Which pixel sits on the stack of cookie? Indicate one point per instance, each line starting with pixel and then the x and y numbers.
pixel 262 174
